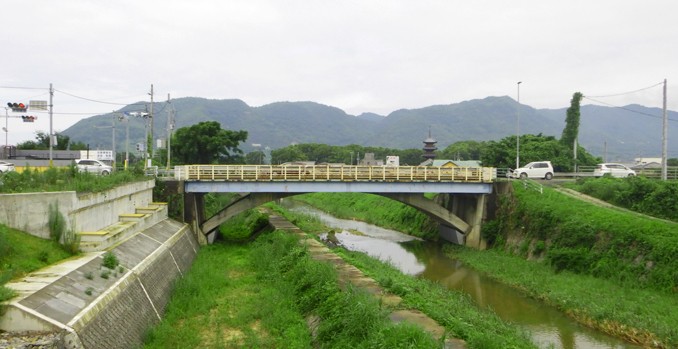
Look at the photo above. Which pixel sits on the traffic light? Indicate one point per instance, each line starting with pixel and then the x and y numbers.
pixel 17 107
pixel 28 118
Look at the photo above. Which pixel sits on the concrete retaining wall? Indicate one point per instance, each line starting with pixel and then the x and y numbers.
pixel 115 312
pixel 85 212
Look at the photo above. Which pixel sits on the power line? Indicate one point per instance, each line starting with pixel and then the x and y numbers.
pixel 627 109
pixel 25 88
pixel 630 92
pixel 97 101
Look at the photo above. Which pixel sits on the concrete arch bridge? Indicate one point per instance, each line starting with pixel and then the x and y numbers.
pixel 467 192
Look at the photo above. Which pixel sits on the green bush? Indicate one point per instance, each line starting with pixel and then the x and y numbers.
pixel 572 259
pixel 110 260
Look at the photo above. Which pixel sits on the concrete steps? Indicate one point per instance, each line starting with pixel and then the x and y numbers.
pixel 128 225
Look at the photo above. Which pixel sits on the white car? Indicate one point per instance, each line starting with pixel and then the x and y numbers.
pixel 6 167
pixel 536 169
pixel 93 166
pixel 614 170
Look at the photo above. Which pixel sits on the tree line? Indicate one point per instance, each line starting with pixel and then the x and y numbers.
pixel 208 143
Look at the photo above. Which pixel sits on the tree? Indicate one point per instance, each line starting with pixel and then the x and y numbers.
pixel 255 157
pixel 287 154
pixel 207 143
pixel 571 130
pixel 534 148
pixel 42 142
pixel 464 150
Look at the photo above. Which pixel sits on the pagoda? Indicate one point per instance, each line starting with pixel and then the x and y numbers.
pixel 429 147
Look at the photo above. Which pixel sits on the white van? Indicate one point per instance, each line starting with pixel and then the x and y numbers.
pixel 536 169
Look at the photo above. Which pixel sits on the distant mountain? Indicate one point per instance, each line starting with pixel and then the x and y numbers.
pixel 621 133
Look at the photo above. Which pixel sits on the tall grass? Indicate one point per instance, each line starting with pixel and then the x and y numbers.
pixel 454 310
pixel 638 315
pixel 63 179
pixel 259 295
pixel 651 197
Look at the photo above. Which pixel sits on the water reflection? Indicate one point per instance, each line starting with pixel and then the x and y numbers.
pixel 548 327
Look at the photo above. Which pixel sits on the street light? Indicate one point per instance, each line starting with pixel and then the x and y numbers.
pixel 518 128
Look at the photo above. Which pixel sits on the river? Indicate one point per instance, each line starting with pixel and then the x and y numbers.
pixel 548 327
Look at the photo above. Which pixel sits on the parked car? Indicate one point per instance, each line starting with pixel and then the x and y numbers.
pixel 614 170
pixel 6 167
pixel 93 166
pixel 536 169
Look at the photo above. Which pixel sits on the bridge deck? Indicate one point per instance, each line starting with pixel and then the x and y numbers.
pixel 325 173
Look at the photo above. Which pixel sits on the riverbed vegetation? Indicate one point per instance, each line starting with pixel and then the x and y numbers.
pixel 608 269
pixel 452 309
pixel 270 294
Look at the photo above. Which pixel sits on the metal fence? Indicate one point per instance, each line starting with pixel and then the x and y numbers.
pixel 334 173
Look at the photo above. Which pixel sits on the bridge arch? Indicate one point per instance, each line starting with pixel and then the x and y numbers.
pixel 418 201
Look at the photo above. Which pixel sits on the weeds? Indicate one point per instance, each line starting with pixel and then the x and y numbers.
pixel 110 260
pixel 56 223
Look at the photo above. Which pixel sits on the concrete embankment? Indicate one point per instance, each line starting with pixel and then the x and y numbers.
pixel 97 307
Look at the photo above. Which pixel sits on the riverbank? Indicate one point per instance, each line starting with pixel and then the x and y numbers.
pixel 480 328
pixel 638 315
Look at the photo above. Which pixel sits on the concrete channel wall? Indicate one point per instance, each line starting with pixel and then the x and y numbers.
pixel 29 212
pixel 94 311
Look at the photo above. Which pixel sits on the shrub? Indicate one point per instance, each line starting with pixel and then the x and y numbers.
pixel 572 259
pixel 110 260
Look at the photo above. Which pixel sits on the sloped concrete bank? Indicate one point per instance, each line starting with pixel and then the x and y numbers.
pixel 97 307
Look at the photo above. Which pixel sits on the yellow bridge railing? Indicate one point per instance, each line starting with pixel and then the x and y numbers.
pixel 267 173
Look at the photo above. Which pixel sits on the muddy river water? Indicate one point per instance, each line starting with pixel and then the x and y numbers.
pixel 548 327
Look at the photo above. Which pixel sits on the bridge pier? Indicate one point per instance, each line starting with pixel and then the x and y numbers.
pixel 470 208
pixel 194 213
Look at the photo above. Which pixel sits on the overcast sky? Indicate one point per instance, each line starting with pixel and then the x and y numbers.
pixel 360 56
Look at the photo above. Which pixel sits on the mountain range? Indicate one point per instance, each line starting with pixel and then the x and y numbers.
pixel 614 133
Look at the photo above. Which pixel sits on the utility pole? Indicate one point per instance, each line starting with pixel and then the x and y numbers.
pixel 518 127
pixel 665 132
pixel 151 141
pixel 170 127
pixel 113 141
pixel 126 141
pixel 51 132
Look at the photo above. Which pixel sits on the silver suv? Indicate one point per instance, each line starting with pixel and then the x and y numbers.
pixel 536 169
pixel 93 166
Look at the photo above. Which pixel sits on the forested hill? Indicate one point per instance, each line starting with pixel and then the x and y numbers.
pixel 622 133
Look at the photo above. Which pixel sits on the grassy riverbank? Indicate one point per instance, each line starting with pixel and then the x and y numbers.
pixel 639 315
pixel 627 290
pixel 455 311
